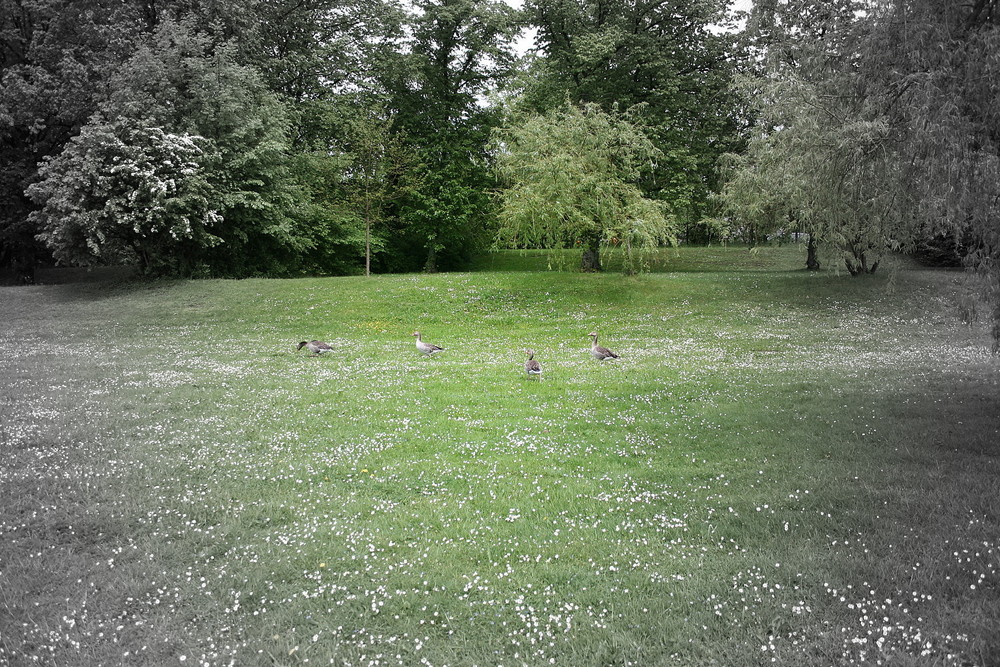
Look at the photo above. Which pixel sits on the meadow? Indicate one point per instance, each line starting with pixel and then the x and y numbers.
pixel 783 467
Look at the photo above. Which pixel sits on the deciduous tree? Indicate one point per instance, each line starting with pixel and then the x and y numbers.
pixel 379 172
pixel 662 53
pixel 460 51
pixel 122 192
pixel 820 153
pixel 932 68
pixel 572 179
pixel 54 59
pixel 187 82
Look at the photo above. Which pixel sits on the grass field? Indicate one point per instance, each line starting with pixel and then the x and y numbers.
pixel 782 468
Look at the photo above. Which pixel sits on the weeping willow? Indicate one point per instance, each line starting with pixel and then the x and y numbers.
pixel 571 179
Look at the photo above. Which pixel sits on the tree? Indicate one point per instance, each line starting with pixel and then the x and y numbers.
pixel 54 59
pixel 186 82
pixel 459 52
pixel 820 153
pixel 125 193
pixel 932 70
pixel 379 173
pixel 662 53
pixel 885 116
pixel 819 158
pixel 572 177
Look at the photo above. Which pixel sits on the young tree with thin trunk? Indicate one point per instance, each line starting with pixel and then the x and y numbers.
pixel 379 173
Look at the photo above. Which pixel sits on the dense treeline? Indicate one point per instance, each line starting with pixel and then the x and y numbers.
pixel 282 137
pixel 225 138
pixel 324 136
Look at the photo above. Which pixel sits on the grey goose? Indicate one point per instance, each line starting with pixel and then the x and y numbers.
pixel 600 353
pixel 426 348
pixel 317 347
pixel 531 366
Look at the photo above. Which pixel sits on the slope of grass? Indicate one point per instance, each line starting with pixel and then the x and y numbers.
pixel 782 468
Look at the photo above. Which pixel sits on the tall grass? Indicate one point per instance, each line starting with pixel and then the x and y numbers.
pixel 782 468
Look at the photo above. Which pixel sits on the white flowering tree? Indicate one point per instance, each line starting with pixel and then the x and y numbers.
pixel 123 193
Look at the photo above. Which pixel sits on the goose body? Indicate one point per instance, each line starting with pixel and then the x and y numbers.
pixel 600 353
pixel 317 347
pixel 531 366
pixel 426 348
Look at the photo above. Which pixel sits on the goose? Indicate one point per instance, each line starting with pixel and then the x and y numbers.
pixel 600 353
pixel 427 348
pixel 317 347
pixel 532 366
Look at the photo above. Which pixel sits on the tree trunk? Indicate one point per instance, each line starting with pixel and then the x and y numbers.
pixel 368 247
pixel 368 232
pixel 23 266
pixel 431 265
pixel 858 266
pixel 812 257
pixel 592 255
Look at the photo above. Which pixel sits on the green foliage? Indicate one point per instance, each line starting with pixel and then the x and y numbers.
pixel 186 82
pixel 876 128
pixel 379 171
pixel 932 70
pixel 446 219
pixel 272 88
pixel 678 259
pixel 660 53
pixel 54 57
pixel 124 193
pixel 459 52
pixel 250 80
pixel 821 156
pixel 334 229
pixel 572 177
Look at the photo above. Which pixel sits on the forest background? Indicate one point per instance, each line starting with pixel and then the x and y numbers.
pixel 320 137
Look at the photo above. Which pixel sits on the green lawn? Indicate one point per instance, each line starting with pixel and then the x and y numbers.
pixel 681 259
pixel 782 468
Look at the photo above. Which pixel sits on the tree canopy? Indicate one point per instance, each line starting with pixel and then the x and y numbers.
pixel 572 177
pixel 661 53
pixel 876 128
pixel 332 134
